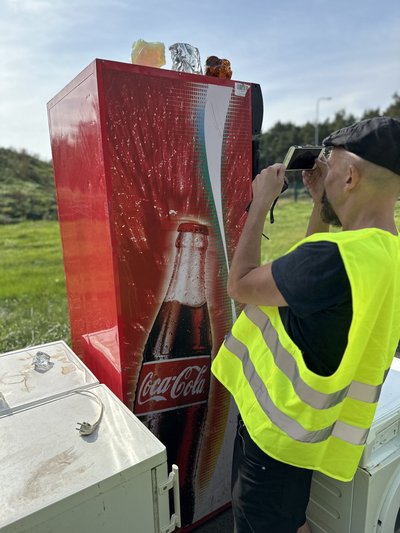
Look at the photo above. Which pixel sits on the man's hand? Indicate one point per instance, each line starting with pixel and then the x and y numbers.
pixel 268 185
pixel 314 179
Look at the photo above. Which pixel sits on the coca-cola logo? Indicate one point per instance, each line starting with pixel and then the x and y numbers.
pixel 174 383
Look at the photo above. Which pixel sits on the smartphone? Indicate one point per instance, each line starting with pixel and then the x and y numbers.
pixel 302 157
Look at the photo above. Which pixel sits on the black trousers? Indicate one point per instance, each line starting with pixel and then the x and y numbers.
pixel 267 496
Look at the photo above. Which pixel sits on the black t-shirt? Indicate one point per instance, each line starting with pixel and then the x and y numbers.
pixel 314 283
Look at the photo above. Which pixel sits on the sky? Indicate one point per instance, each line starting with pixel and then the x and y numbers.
pixel 297 50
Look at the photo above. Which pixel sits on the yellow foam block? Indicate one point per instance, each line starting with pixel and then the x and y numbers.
pixel 148 54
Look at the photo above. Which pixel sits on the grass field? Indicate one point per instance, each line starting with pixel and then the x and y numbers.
pixel 33 305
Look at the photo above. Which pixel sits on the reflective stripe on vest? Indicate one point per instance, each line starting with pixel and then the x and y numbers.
pixel 341 430
pixel 287 364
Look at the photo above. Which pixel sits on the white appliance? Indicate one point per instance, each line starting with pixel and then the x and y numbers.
pixel 371 502
pixel 56 479
pixel 53 480
pixel 57 371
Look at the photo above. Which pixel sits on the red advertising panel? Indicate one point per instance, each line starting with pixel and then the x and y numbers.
pixel 153 173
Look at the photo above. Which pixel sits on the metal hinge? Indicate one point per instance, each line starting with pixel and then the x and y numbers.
pixel 172 483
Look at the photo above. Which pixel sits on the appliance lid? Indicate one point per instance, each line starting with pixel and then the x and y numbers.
pixel 57 371
pixel 389 400
pixel 44 459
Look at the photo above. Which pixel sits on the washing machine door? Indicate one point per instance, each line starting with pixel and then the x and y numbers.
pixel 389 515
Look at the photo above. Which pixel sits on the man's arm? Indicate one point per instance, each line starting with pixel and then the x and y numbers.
pixel 316 224
pixel 314 182
pixel 248 282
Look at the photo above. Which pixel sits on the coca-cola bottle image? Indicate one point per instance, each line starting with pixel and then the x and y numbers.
pixel 172 392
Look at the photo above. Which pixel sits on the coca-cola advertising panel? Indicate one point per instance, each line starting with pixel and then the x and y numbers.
pixel 153 181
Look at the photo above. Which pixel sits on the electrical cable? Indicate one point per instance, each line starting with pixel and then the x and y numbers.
pixel 86 428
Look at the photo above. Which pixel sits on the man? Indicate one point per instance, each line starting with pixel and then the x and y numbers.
pixel 306 359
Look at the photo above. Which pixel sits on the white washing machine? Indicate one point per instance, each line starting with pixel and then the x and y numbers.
pixel 371 502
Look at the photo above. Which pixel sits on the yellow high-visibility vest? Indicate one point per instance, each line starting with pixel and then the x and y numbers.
pixel 293 414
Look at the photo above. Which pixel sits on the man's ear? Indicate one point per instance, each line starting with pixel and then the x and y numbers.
pixel 353 178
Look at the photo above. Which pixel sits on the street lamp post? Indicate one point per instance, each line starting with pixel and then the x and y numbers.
pixel 317 117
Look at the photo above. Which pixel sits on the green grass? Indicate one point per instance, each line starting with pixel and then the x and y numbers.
pixel 291 219
pixel 33 305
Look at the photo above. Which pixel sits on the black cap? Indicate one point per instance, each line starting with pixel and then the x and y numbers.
pixel 375 139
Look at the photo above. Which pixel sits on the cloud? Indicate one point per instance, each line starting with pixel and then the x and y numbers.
pixel 29 6
pixel 295 54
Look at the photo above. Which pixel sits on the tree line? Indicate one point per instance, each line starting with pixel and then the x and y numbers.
pixel 275 142
pixel 27 182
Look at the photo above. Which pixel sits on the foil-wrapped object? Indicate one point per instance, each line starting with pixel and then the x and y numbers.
pixel 42 363
pixel 148 54
pixel 185 58
pixel 218 68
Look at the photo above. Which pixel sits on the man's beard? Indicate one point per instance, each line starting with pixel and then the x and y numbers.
pixel 328 214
